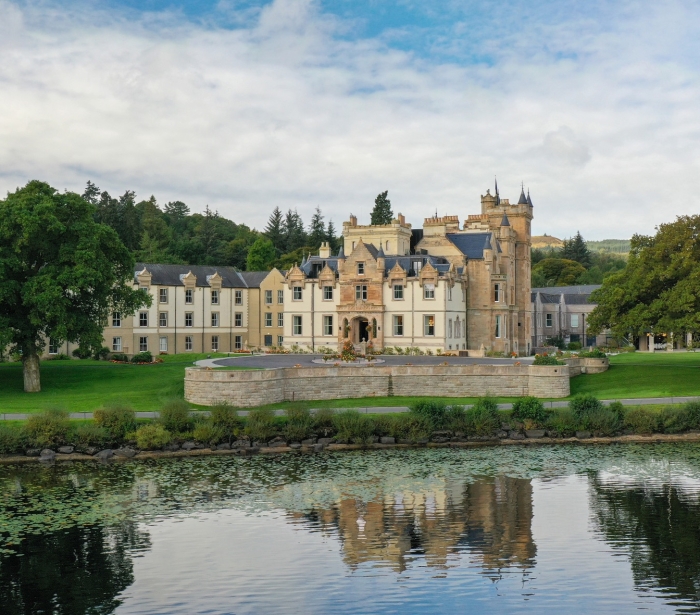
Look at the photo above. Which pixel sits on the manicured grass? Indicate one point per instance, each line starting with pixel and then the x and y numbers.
pixel 638 374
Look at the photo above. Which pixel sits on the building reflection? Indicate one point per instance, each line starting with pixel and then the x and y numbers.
pixel 489 520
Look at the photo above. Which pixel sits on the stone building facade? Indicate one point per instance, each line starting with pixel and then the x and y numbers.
pixel 450 286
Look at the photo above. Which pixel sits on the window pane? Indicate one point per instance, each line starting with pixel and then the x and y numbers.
pixel 268 340
pixel 143 319
pixel 116 319
pixel 280 296
pixel 398 291
pixel 163 295
pixel 117 344
pixel 280 319
pixel 239 297
pixel 429 291
pixel 398 324
pixel 188 342
pixel 163 319
pixel 429 322
pixel 215 319
pixel 188 296
pixel 328 325
pixel 164 344
pixel 143 344
pixel 215 343
pixel 238 319
pixel 238 342
pixel 328 293
pixel 268 297
pixel 268 319
pixel 215 297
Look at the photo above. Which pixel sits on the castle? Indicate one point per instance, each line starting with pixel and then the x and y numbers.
pixel 449 286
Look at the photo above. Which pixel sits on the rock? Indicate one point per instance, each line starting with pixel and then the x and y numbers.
pixel 583 435
pixel 295 445
pixel 276 444
pixel 241 444
pixel 502 434
pixel 324 441
pixel 105 454
pixel 458 439
pixel 506 427
pixel 258 444
pixel 66 450
pixel 516 435
pixel 440 439
pixel 374 440
pixel 319 447
pixel 224 447
pixel 188 446
pixel 33 452
pixel 422 441
pixel 388 440
pixel 535 433
pixel 308 442
pixel 405 441
pixel 441 434
pixel 124 452
pixel 91 450
pixel 172 447
pixel 47 455
pixel 339 441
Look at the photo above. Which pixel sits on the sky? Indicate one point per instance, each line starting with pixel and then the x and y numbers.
pixel 251 104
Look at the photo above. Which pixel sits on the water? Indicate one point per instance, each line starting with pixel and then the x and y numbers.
pixel 574 529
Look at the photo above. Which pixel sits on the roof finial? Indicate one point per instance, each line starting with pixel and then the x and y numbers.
pixel 523 199
pixel 529 200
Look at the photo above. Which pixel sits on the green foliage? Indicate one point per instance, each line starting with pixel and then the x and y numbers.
pixel 601 421
pixel 675 420
pixel 260 426
pixel 47 428
pixel 86 435
pixel 175 415
pixel 529 409
pixel 152 436
pixel 12 439
pixel 354 427
pixel 594 353
pixel 557 272
pixel 261 255
pixel 563 423
pixel 543 359
pixel 300 424
pixel 575 249
pixel 381 213
pixel 583 405
pixel 693 410
pixel 142 357
pixel 225 418
pixel 574 346
pixel 120 356
pixel 116 419
pixel 483 418
pixel 641 420
pixel 433 410
pixel 207 433
pixel 101 353
pixel 323 421
pixel 83 353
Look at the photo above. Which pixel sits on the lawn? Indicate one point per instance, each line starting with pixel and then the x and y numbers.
pixel 637 374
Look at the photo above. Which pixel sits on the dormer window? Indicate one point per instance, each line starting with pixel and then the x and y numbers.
pixel 417 266
pixel 360 269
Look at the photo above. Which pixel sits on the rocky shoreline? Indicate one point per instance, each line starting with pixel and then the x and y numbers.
pixel 190 449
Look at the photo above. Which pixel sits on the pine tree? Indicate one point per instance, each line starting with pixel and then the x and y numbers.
pixel 317 229
pixel 92 193
pixel 382 214
pixel 575 249
pixel 294 234
pixel 330 236
pixel 274 230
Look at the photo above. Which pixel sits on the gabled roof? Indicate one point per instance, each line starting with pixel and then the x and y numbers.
pixel 171 275
pixel 254 278
pixel 472 245
pixel 315 264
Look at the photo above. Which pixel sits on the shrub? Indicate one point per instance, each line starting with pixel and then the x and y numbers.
pixel 384 425
pixel 674 420
pixel 102 353
pixel 82 353
pixel 618 409
pixel 483 418
pixel 412 427
pixel 435 411
pixel 261 424
pixel 142 357
pixel 595 353
pixel 47 428
pixel 323 421
pixel 562 422
pixel 152 436
pixel 12 439
pixel 584 404
pixel 574 346
pixel 602 421
pixel 529 409
pixel 116 419
pixel 119 356
pixel 225 417
pixel 175 415
pixel 543 359
pixel 85 435
pixel 354 427
pixel 207 433
pixel 641 421
pixel 300 424
pixel 61 356
pixel 693 410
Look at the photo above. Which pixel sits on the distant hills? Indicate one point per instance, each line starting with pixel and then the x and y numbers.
pixel 612 246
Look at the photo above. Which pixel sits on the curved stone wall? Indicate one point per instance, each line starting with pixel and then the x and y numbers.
pixel 249 388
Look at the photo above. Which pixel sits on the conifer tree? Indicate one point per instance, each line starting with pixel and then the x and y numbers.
pixel 317 229
pixel 274 230
pixel 330 236
pixel 575 249
pixel 382 214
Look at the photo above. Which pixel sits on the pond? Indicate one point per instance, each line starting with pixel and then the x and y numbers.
pixel 546 529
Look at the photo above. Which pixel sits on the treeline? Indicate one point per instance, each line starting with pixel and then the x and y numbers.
pixel 573 263
pixel 172 234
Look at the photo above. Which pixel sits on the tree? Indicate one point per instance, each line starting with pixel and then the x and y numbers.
pixel 330 236
pixel 575 249
pixel 294 234
pixel 317 229
pixel 61 274
pixel 557 272
pixel 274 230
pixel 659 289
pixel 382 214
pixel 261 255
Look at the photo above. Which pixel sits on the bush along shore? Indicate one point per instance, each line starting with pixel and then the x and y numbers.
pixel 115 432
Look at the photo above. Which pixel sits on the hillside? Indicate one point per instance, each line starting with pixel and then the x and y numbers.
pixel 540 242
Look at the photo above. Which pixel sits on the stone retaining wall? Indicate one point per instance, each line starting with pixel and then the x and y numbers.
pixel 585 365
pixel 251 388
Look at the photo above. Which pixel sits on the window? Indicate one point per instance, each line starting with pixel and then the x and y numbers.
pixel 296 293
pixel 144 289
pixel 53 347
pixel 188 296
pixel 398 324
pixel 116 319
pixel 296 325
pixel 429 291
pixel 238 342
pixel 458 328
pixel 268 340
pixel 417 265
pixel 268 297
pixel 498 326
pixel 360 269
pixel 215 319
pixel 280 319
pixel 449 293
pixel 188 342
pixel 116 344
pixel 328 325
pixel 163 319
pixel 143 319
pixel 268 319
pixel 143 343
pixel 215 297
pixel 163 294
pixel 215 343
pixel 449 328
pixel 574 320
pixel 328 293
pixel 280 297
pixel 238 297
pixel 497 293
pixel 429 324
pixel 398 292
pixel 189 317
pixel 163 344
pixel 280 340
pixel 361 293
pixel 387 248
pixel 548 320
pixel 238 319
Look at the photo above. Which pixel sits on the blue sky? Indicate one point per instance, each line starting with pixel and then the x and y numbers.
pixel 245 105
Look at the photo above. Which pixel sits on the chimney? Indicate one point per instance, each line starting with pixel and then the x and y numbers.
pixel 353 220
pixel 325 250
pixel 402 219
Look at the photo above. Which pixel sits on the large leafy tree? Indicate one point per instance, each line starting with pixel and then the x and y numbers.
pixel 556 272
pixel 261 255
pixel 61 273
pixel 659 290
pixel 382 214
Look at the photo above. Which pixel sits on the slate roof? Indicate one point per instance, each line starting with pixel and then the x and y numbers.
pixel 316 264
pixel 254 278
pixel 170 275
pixel 573 295
pixel 584 289
pixel 472 245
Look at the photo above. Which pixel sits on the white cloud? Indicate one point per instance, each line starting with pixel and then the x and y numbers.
pixel 601 124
